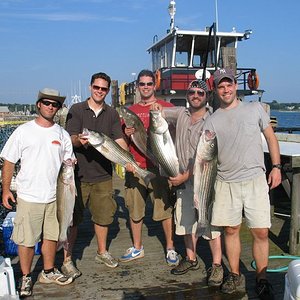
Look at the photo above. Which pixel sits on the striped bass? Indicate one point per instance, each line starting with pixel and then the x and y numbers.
pixel 162 145
pixel 65 197
pixel 139 137
pixel 205 171
pixel 115 153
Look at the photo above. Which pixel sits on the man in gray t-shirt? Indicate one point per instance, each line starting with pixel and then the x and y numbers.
pixel 189 123
pixel 241 183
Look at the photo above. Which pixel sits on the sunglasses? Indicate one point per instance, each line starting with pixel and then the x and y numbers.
pixel 100 88
pixel 199 93
pixel 54 104
pixel 146 83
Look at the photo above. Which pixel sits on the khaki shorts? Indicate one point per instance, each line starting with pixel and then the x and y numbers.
pixel 98 197
pixel 231 198
pixel 186 215
pixel 34 221
pixel 136 194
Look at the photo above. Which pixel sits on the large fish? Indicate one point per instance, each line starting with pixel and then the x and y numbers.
pixel 65 195
pixel 205 171
pixel 140 137
pixel 162 145
pixel 114 152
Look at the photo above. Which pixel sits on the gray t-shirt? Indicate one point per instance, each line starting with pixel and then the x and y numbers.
pixel 240 150
pixel 187 134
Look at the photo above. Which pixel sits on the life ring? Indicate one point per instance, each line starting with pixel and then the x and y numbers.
pixel 253 80
pixel 157 79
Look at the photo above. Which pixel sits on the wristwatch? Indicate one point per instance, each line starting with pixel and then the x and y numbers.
pixel 278 166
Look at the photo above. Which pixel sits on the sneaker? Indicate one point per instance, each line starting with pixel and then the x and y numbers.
pixel 232 283
pixel 185 265
pixel 264 289
pixel 215 275
pixel 69 269
pixel 54 277
pixel 132 253
pixel 172 258
pixel 106 259
pixel 25 286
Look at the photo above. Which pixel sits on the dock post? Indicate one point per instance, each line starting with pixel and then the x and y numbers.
pixel 294 247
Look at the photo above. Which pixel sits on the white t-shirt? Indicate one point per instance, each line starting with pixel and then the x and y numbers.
pixel 41 151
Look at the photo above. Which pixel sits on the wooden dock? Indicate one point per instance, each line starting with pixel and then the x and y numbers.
pixel 150 278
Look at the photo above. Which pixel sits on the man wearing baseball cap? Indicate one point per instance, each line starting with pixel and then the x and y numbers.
pixel 241 184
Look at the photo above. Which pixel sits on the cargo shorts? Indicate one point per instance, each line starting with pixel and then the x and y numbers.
pixel 34 221
pixel 98 198
pixel 232 198
pixel 137 193
pixel 186 216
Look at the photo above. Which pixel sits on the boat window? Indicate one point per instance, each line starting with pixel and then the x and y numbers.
pixel 178 102
pixel 183 50
pixel 181 59
pixel 169 51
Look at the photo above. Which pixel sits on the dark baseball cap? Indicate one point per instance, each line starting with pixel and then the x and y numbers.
pixel 223 73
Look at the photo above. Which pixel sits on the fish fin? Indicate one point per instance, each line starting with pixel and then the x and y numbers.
pixel 61 245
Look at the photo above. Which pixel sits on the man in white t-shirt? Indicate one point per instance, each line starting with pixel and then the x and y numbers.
pixel 41 146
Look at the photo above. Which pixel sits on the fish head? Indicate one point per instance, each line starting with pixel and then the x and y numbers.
pixel 207 147
pixel 129 117
pixel 94 138
pixel 157 123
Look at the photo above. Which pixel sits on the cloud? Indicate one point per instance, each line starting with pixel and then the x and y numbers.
pixel 69 17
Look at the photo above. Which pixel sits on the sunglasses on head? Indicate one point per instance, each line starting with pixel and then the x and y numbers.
pixel 54 104
pixel 199 93
pixel 146 83
pixel 100 88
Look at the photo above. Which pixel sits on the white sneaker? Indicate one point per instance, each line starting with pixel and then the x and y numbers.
pixel 172 258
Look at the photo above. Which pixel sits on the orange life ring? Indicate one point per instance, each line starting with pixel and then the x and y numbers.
pixel 253 80
pixel 157 79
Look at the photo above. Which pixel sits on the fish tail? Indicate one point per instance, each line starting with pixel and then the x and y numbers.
pixel 148 178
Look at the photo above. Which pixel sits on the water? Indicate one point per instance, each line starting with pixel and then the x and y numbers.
pixel 287 118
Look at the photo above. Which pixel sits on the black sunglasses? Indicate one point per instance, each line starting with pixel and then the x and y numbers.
pixel 200 93
pixel 100 88
pixel 54 104
pixel 146 83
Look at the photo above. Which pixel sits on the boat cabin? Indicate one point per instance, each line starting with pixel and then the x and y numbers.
pixel 184 55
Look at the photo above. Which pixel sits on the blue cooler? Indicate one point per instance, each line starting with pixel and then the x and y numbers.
pixel 9 246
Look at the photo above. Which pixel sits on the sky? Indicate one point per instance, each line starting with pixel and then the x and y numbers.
pixel 61 43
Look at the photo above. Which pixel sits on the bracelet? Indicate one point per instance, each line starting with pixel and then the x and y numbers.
pixel 278 166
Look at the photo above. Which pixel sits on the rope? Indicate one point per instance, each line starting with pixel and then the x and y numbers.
pixel 278 269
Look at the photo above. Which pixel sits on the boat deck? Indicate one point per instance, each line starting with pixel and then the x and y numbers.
pixel 150 278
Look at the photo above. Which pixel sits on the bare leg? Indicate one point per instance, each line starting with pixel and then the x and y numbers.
pixel 233 247
pixel 260 250
pixel 190 241
pixel 168 230
pixel 72 235
pixel 216 250
pixel 136 229
pixel 26 257
pixel 101 234
pixel 48 252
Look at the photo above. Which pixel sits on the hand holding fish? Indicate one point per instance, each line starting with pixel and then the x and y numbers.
pixel 83 138
pixel 129 131
pixel 130 168
pixel 179 179
pixel 156 106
